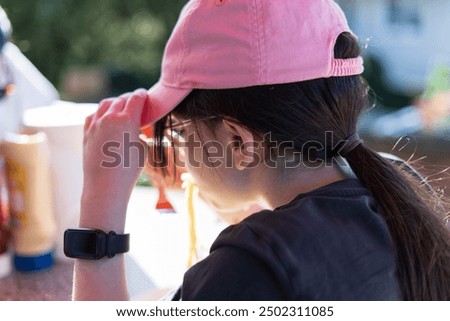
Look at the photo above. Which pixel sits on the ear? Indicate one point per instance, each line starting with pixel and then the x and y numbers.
pixel 244 145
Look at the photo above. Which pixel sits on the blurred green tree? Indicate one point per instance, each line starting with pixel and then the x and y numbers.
pixel 124 35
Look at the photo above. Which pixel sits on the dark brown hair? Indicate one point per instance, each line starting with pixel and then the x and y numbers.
pixel 302 112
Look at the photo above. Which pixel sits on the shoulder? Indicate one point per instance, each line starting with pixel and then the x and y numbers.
pixel 329 244
pixel 232 273
pixel 339 216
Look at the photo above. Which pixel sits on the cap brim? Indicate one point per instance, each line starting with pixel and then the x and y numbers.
pixel 161 101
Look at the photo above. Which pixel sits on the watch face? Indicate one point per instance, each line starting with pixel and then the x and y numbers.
pixel 85 244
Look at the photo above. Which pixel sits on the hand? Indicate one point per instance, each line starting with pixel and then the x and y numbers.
pixel 113 157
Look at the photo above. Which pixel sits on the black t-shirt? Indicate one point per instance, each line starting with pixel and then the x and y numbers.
pixel 328 244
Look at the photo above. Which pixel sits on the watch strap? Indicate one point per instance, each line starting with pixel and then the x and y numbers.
pixel 116 244
pixel 94 244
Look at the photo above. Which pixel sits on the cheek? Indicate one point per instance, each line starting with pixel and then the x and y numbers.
pixel 203 176
pixel 218 187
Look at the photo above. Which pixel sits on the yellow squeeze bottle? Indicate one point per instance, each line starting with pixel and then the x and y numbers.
pixel 33 225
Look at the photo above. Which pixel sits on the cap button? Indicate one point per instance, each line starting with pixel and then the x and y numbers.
pixel 219 3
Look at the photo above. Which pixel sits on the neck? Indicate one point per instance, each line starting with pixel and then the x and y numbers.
pixel 281 186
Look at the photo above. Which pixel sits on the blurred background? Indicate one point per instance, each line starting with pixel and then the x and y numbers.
pixel 90 50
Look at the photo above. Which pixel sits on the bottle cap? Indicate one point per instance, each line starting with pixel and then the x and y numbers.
pixel 33 263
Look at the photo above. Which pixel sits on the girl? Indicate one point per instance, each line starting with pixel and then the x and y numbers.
pixel 261 99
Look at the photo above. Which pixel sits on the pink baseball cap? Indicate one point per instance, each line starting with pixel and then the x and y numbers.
pixel 220 44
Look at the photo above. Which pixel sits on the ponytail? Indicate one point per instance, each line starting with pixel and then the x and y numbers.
pixel 416 221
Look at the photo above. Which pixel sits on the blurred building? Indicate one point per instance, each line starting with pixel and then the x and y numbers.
pixel 405 39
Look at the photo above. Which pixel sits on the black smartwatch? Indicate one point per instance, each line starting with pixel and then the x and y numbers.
pixel 94 244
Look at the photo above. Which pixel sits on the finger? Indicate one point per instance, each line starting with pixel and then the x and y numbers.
pixel 103 106
pixel 117 106
pixel 135 104
pixel 125 95
pixel 88 121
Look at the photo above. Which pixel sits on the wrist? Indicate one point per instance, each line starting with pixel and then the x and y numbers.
pixel 107 215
